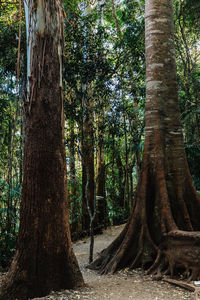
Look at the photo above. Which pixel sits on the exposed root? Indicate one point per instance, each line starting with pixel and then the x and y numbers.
pixel 155 264
pixel 181 284
pixel 136 260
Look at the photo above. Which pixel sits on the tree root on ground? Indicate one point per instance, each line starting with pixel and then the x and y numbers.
pixel 180 250
pixel 184 285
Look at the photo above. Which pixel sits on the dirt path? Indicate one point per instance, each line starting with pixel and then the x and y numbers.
pixel 120 286
pixel 123 285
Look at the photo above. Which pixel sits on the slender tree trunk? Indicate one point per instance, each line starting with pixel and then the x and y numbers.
pixel 87 168
pixel 131 179
pixel 21 150
pixel 101 174
pixel 102 204
pixel 44 259
pixel 113 179
pixel 121 180
pixel 126 184
pixel 87 137
pixel 102 215
pixel 73 190
pixel 9 177
pixel 166 203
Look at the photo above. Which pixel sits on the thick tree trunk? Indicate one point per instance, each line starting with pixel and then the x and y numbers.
pixel 44 259
pixel 166 201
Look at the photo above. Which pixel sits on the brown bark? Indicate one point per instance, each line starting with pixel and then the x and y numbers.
pixel 165 199
pixel 44 259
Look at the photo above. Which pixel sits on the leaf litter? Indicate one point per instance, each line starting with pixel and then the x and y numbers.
pixel 123 285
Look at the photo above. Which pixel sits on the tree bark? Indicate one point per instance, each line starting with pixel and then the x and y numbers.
pixel 165 199
pixel 44 259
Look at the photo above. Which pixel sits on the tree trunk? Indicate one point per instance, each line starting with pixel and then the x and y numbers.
pixel 101 173
pixel 126 184
pixel 121 181
pixel 165 199
pixel 73 189
pixel 88 183
pixel 9 178
pixel 102 204
pixel 87 135
pixel 87 167
pixel 44 259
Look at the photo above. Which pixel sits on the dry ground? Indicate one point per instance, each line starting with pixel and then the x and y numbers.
pixel 124 285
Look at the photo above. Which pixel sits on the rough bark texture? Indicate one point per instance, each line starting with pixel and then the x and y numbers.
pixel 165 200
pixel 44 259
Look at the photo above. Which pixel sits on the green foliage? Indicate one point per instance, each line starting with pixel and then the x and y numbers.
pixel 188 65
pixel 193 156
pixel 111 64
pixel 7 249
pixel 116 214
pixel 9 35
pixel 8 234
pixel 10 129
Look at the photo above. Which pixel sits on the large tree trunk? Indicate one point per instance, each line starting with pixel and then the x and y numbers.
pixel 44 259
pixel 166 203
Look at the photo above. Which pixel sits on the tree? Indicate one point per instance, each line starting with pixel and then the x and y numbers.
pixel 186 42
pixel 166 205
pixel 10 120
pixel 87 164
pixel 101 173
pixel 44 259
pixel 101 169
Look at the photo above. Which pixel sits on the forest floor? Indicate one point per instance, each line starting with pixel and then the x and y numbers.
pixel 124 285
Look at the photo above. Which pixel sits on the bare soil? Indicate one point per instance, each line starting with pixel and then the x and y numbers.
pixel 123 285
